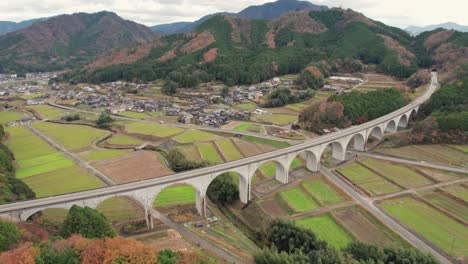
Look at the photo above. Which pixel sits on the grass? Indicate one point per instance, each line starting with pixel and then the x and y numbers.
pixel 42 164
pixel 191 136
pixel 120 209
pixel 10 116
pixel 268 169
pixel 65 180
pixel 447 203
pixel 71 136
pixel 457 191
pixel 152 129
pixel 54 215
pixel 273 143
pixel 229 150
pixel 133 114
pixel 298 200
pixel 96 155
pixel 367 180
pixel 246 106
pixel 175 195
pixel 275 119
pixel 327 229
pixel 430 223
pixel 321 191
pixel 48 112
pixel 249 127
pixel 208 153
pixel 397 173
pixel 120 139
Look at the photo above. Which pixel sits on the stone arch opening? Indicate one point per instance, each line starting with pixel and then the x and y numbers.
pixel 53 216
pixel 227 187
pixel 403 122
pixel 177 201
pixel 304 160
pixel 333 152
pixel 391 127
pixel 357 142
pixel 120 209
pixel 267 176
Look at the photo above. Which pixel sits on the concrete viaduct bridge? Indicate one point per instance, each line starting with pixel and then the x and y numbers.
pixel 145 192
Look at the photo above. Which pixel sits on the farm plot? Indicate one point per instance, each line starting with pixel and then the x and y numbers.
pixel 48 112
pixel 71 179
pixel 247 148
pixel 297 200
pixel 264 141
pixel 190 152
pixel 209 153
pixel 441 176
pixel 326 228
pixel 10 116
pixel 275 119
pixel 124 140
pixel 459 191
pixel 97 155
pixel 364 227
pixel 453 206
pixel 246 106
pixel 134 166
pixel 191 136
pixel 397 173
pixel 71 137
pixel 250 128
pixel 229 150
pixel 151 129
pixel 133 114
pixel 367 180
pixel 433 225
pixel 120 209
pixel 322 191
pixel 175 195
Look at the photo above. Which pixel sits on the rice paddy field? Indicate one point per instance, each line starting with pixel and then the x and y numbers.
pixel 10 116
pixel 459 191
pixel 297 200
pixel 250 127
pixel 152 129
pixel 445 202
pixel 322 191
pixel 440 154
pixel 264 141
pixel 246 106
pixel 367 180
pixel 209 153
pixel 133 114
pixel 228 149
pixel 440 229
pixel 48 112
pixel 120 209
pixel 97 155
pixel 275 119
pixel 326 228
pixel 191 136
pixel 175 195
pixel 71 137
pixel 125 140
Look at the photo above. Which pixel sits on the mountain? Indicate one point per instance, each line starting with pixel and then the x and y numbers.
pixel 243 51
pixel 415 30
pixel 266 11
pixel 8 26
pixel 68 40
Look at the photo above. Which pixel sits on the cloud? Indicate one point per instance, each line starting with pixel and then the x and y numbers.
pixel 151 12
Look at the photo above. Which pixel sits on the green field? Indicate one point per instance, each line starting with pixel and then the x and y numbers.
pixel 367 180
pixel 48 112
pixel 275 119
pixel 249 127
pixel 229 150
pixel 273 143
pixel 42 164
pixel 208 153
pixel 120 209
pixel 246 106
pixel 133 114
pixel 463 148
pixel 10 116
pixel 457 191
pixel 120 139
pixel 191 136
pixel 268 169
pixel 322 192
pixel 298 200
pixel 65 180
pixel 71 137
pixel 430 223
pixel 327 229
pixel 397 173
pixel 53 215
pixel 175 195
pixel 96 155
pixel 190 152
pixel 152 129
pixel 447 203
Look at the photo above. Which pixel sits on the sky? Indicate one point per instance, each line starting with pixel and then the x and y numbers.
pixel 400 13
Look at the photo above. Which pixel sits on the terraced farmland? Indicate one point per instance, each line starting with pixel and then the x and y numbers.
pixel 379 81
pixel 297 200
pixel 152 129
pixel 229 150
pixel 120 139
pixel 120 209
pixel 10 116
pixel 459 191
pixel 191 136
pixel 275 119
pixel 250 127
pixel 175 195
pixel 322 191
pixel 97 155
pixel 326 228
pixel 443 201
pixel 48 112
pixel 367 180
pixel 133 114
pixel 209 153
pixel 433 225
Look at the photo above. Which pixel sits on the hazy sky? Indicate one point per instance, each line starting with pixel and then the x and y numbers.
pixel 399 13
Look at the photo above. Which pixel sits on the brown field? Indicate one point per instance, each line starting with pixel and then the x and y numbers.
pixel 272 208
pixel 232 124
pixel 247 149
pixel 167 239
pixel 191 152
pixel 361 227
pixel 440 176
pixel 135 166
pixel 265 148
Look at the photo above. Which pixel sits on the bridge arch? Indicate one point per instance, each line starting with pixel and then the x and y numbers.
pixel 338 149
pixel 281 169
pixel 391 126
pixel 310 157
pixel 403 122
pixel 376 132
pixel 358 140
pixel 134 207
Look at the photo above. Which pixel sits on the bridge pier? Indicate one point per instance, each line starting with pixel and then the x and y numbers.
pixel 200 203
pixel 312 161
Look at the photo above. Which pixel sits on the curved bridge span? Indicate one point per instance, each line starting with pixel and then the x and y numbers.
pixel 144 192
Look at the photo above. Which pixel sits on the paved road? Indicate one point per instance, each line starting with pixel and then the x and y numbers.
pixel 195 239
pixel 72 156
pixel 412 162
pixel 204 128
pixel 384 218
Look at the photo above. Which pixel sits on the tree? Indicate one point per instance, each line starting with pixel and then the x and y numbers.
pixel 104 120
pixel 223 190
pixel 225 92
pixel 307 80
pixel 167 256
pixel 178 162
pixel 87 222
pixel 169 88
pixel 9 235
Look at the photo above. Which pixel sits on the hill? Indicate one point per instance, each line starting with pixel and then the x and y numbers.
pixel 242 51
pixel 9 26
pixel 68 40
pixel 266 11
pixel 415 30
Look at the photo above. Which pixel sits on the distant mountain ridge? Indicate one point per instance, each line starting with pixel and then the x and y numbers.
pixel 415 30
pixel 9 26
pixel 268 11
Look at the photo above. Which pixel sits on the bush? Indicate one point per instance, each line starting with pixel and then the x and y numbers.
pixel 223 190
pixel 178 162
pixel 169 88
pixel 9 235
pixel 104 120
pixel 70 118
pixel 167 256
pixel 87 222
